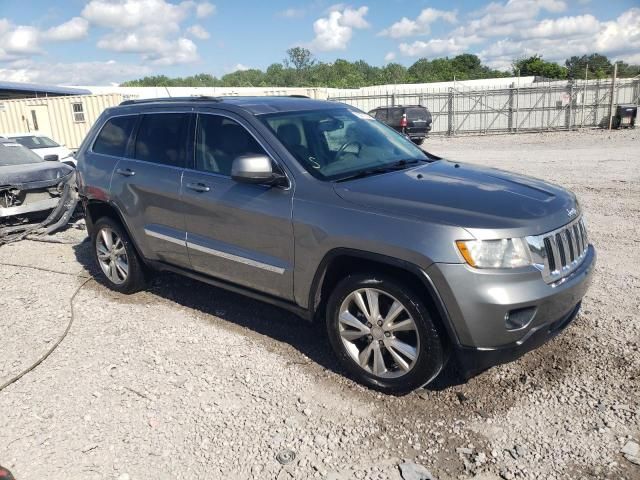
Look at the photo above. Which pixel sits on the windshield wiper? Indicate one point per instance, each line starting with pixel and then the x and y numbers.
pixel 391 167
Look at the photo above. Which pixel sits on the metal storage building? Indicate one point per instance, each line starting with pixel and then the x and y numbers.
pixel 66 119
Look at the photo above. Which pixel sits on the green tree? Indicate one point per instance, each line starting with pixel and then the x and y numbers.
pixel 300 58
pixel 393 73
pixel 626 71
pixel 538 67
pixel 597 66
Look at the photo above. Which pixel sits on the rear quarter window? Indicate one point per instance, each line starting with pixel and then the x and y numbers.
pixel 114 136
pixel 382 115
pixel 414 114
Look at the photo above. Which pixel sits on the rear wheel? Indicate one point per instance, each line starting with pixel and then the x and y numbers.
pixel 117 258
pixel 383 334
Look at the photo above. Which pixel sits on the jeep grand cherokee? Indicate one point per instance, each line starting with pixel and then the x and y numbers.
pixel 410 259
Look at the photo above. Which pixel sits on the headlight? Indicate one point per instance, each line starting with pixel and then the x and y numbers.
pixel 505 253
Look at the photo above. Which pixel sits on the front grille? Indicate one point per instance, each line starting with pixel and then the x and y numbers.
pixel 560 252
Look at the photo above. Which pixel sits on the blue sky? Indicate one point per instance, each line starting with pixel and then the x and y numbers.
pixel 105 41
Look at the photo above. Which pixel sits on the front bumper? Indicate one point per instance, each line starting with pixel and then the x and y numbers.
pixel 472 361
pixel 478 303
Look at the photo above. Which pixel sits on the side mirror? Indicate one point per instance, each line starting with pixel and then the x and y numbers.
pixel 51 158
pixel 255 169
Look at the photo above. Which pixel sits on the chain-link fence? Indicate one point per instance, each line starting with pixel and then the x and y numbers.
pixel 535 107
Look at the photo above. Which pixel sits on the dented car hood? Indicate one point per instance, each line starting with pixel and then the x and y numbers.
pixel 34 175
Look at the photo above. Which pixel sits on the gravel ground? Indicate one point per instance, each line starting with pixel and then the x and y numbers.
pixel 188 381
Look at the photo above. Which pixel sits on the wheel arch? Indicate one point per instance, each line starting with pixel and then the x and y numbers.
pixel 97 209
pixel 341 262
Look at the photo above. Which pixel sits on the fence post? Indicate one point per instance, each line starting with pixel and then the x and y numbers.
pixel 510 117
pixel 596 105
pixel 570 111
pixel 393 99
pixel 450 113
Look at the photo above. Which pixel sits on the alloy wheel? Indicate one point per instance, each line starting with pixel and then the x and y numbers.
pixel 379 333
pixel 112 255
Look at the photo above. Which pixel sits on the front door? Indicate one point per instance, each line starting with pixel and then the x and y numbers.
pixel 237 232
pixel 38 119
pixel 146 186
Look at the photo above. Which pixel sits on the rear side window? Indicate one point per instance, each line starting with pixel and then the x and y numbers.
pixel 419 114
pixel 113 138
pixel 382 115
pixel 395 114
pixel 162 138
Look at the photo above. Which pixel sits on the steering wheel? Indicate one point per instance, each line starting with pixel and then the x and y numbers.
pixel 344 147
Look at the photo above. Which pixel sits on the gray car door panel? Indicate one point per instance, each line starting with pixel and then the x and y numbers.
pixel 147 190
pixel 150 200
pixel 238 232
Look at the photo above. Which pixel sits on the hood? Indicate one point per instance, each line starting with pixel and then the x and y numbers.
pixel 62 152
pixel 489 203
pixel 34 175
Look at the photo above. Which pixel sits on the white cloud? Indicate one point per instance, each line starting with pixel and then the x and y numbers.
pixel 74 29
pixel 390 56
pixel 563 27
pixel 205 9
pixel 503 19
pixel 19 40
pixel 436 47
pixel 622 35
pixel 292 13
pixel 198 31
pixel 336 30
pixel 153 48
pixel 561 38
pixel 121 14
pixel 420 26
pixel 238 67
pixel 79 73
pixel 150 28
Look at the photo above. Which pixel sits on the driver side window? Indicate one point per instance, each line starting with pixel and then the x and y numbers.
pixel 219 141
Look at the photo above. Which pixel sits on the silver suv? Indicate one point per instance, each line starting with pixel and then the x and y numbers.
pixel 411 260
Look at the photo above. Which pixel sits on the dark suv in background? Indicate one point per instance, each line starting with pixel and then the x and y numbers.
pixel 414 121
pixel 409 259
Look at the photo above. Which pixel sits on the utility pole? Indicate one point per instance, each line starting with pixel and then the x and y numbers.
pixel 613 87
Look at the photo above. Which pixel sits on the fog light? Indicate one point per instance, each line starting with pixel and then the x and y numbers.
pixel 519 318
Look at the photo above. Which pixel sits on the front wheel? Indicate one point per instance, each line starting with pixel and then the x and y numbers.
pixel 383 334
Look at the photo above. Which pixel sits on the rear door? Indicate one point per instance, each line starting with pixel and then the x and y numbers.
pixel 237 232
pixel 146 185
pixel 417 122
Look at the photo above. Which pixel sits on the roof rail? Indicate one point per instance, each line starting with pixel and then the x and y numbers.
pixel 172 99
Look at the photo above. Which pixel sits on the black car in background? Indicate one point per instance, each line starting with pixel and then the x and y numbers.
pixel 412 120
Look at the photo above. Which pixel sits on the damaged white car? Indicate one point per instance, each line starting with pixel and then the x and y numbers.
pixel 36 196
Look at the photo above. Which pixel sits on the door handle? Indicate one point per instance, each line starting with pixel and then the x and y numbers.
pixel 125 172
pixel 198 187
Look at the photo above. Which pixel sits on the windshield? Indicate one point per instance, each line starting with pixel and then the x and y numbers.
pixel 15 154
pixel 341 143
pixel 31 141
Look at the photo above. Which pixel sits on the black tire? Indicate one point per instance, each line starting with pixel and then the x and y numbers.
pixel 430 355
pixel 136 278
pixel 418 141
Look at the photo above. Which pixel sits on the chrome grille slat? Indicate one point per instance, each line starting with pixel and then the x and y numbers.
pixel 555 252
pixel 578 237
pixel 558 253
pixel 572 245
